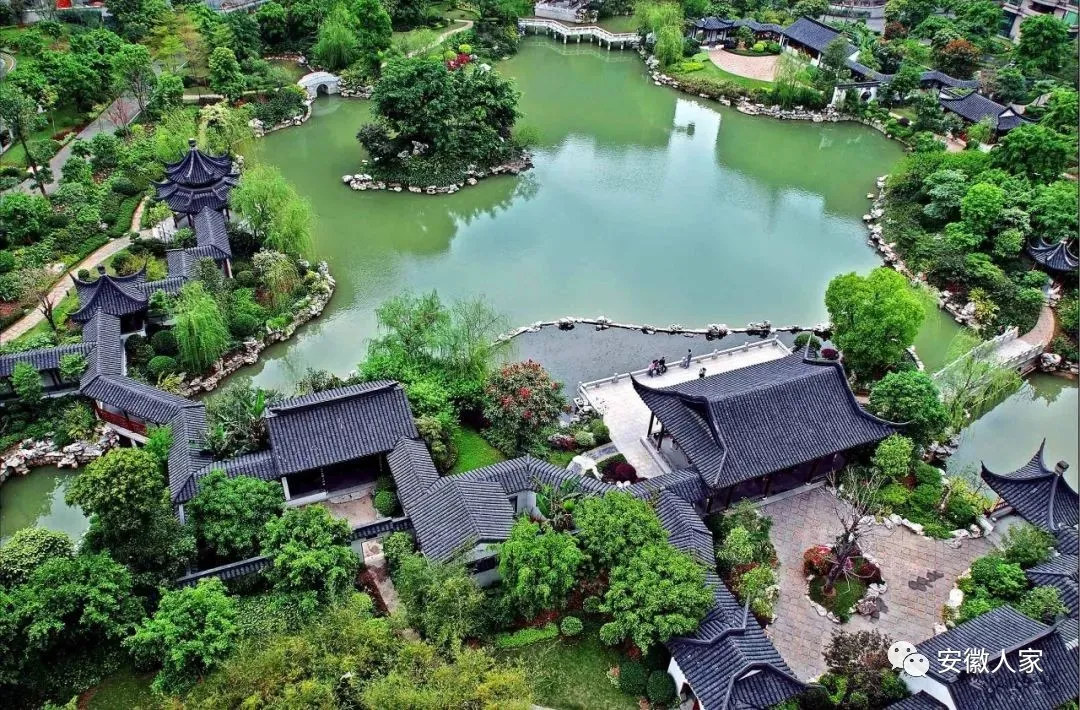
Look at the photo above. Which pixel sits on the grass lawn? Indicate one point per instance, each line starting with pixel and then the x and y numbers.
pixel 714 72
pixel 905 111
pixel 474 451
pixel 126 689
pixel 572 675
pixel 61 119
pixel 295 70
pixel 66 305
pixel 845 593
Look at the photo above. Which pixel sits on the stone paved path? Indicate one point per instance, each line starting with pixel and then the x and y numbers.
pixel 61 288
pixel 760 68
pixel 1043 332
pixel 919 573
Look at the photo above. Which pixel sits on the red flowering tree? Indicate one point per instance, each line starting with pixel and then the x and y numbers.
pixel 520 401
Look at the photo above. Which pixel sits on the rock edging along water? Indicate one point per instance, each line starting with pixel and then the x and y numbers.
pixel 306 309
pixel 363 181
pixel 30 454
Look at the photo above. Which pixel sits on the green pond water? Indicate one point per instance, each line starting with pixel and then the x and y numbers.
pixel 644 205
pixel 37 500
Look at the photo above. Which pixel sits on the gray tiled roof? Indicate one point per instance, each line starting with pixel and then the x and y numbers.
pixel 142 400
pixel 338 425
pixel 525 473
pixel 259 464
pixel 935 77
pixel 974 107
pixel 171 284
pixel 686 529
pixel 811 33
pixel 1001 628
pixel 1068 542
pixel 456 513
pixel 43 358
pixel 192 200
pixel 1056 683
pixel 413 470
pixel 1037 493
pixel 227 572
pixel 1061 573
pixel 114 295
pixel 106 355
pixel 212 232
pixel 685 483
pixel 729 662
pixel 197 168
pixel 1054 257
pixel 186 455
pixel 918 701
pixel 744 423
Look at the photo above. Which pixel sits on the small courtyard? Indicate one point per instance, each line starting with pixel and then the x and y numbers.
pixel 919 572
pixel 761 68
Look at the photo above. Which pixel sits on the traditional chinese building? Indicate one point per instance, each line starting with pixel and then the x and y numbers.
pixel 1058 259
pixel 197 182
pixel 762 429
pixel 1000 660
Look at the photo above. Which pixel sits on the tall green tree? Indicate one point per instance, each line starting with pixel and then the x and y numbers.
pixel 230 514
pixel 1034 151
pixel 1044 43
pixel 122 489
pixel 1053 211
pixel 612 527
pixel 202 333
pixel 338 45
pixel 521 401
pixel 875 318
pixel 309 553
pixel 18 113
pixel 29 548
pixel 273 23
pixel 538 566
pixel 373 30
pixel 910 396
pixel 441 600
pixel 277 217
pixel 167 94
pixel 660 592
pixel 226 76
pixel 133 72
pixel 192 632
pixel 982 207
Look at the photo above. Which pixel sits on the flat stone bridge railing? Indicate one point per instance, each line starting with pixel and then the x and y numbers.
pixel 558 29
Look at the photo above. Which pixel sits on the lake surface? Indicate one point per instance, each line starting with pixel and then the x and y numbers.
pixel 644 206
pixel 37 500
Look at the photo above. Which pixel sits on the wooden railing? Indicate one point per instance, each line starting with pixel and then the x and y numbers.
pixel 132 425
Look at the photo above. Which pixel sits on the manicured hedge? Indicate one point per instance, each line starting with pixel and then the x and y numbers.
pixel 527 637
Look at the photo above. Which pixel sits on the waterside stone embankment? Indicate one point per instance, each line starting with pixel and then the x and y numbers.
pixel 30 454
pixel 307 309
pixel 364 181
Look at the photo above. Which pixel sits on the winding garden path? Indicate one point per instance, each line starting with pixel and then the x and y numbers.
pixel 442 37
pixel 61 288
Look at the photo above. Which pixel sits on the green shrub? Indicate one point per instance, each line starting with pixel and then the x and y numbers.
pixel 893 497
pixel 396 546
pixel 272 613
pixel 976 605
pixel 386 503
pixel 926 497
pixel 1027 545
pixel 925 473
pixel 161 365
pixel 600 431
pixel 164 343
pixel 999 578
pixel 527 636
pixel 661 688
pixel 571 626
pixel 591 604
pixel 7 261
pixel 633 678
pixel 584 439
pixel 937 531
pixel 124 186
pixel 385 482
pixel 1042 604
pixel 244 325
pixel 245 279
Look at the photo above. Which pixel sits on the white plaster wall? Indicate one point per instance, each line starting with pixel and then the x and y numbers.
pixel 931 687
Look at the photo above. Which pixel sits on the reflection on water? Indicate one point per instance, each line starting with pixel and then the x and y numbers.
pixel 37 499
pixel 1006 437
pixel 643 205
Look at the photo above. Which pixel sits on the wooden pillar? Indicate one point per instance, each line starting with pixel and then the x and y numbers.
pixel 660 439
pixel 728 497
pixel 652 418
pixel 768 484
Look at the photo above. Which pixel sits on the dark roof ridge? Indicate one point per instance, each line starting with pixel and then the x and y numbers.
pixel 341 394
pixel 851 394
pixel 749 666
pixel 723 633
pixel 115 278
pixel 710 423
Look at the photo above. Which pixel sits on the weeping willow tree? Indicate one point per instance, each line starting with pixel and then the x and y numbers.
pixel 278 273
pixel 277 217
pixel 974 380
pixel 290 230
pixel 665 21
pixel 202 335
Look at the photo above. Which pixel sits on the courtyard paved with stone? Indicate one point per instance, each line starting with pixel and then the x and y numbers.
pixel 760 68
pixel 919 572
